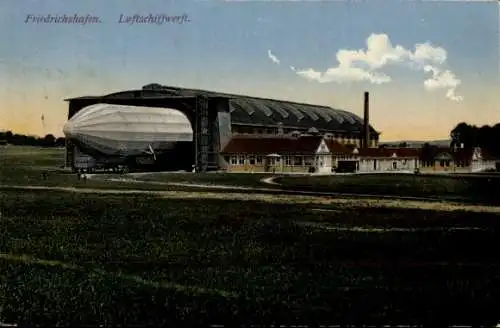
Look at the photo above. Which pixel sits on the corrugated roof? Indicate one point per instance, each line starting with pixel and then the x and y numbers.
pixel 262 111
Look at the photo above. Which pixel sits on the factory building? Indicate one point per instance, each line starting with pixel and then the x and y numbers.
pixel 217 119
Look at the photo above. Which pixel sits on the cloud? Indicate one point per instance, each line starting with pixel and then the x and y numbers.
pixel 343 74
pixel 365 65
pixel 442 79
pixel 273 57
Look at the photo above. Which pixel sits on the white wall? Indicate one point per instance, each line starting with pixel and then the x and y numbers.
pixel 386 164
pixel 481 165
pixel 324 163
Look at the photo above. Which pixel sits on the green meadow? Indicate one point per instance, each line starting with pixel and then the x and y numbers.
pixel 193 256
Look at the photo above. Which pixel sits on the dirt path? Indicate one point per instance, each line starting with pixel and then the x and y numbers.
pixel 329 226
pixel 270 181
pixel 343 201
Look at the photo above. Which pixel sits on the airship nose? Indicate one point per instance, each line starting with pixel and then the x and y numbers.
pixel 67 129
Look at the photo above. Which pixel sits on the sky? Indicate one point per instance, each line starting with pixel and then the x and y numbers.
pixel 427 65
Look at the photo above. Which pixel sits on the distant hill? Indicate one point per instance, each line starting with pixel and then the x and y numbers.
pixel 418 143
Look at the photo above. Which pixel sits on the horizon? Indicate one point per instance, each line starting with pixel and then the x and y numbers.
pixel 427 69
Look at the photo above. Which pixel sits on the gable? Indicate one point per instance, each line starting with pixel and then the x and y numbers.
pixel 476 155
pixel 322 148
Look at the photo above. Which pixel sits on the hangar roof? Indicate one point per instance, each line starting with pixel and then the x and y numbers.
pixel 261 111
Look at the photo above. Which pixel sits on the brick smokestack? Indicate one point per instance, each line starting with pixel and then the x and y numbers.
pixel 366 121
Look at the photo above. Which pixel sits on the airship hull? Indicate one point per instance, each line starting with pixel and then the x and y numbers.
pixel 119 130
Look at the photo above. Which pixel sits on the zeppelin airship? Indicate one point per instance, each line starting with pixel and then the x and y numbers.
pixel 111 132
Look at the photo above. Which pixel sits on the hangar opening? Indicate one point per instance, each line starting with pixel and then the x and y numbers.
pixel 215 119
pixel 107 135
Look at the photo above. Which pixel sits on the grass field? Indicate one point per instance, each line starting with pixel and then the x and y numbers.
pixel 27 165
pixel 88 259
pixel 474 188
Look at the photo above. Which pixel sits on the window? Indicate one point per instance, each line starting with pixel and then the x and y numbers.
pixel 234 160
pixel 297 160
pixel 308 160
pixel 447 163
pixel 441 163
pixel 394 165
pixel 288 160
pixel 241 160
pixel 259 160
pixel 252 160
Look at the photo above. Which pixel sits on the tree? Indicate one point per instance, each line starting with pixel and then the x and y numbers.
pixel 49 140
pixel 465 134
pixel 60 142
pixel 428 152
pixel 470 136
pixel 461 134
pixel 8 136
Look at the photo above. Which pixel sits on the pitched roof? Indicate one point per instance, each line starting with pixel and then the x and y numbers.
pixel 338 148
pixel 389 152
pixel 307 145
pixel 272 145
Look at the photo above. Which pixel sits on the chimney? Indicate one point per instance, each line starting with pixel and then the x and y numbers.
pixel 366 122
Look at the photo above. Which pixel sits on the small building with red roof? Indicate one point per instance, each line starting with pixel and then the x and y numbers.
pixel 318 154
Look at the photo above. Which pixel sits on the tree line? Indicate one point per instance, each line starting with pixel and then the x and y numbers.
pixel 465 136
pixel 24 140
pixel 469 136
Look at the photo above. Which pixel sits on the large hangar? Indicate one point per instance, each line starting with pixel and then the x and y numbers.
pixel 215 117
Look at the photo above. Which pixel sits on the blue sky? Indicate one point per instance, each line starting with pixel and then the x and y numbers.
pixel 224 47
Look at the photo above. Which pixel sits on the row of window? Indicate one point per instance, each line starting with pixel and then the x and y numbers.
pixel 259 160
pixel 275 131
pixel 308 160
pixel 367 161
pixel 240 160
pixel 445 163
